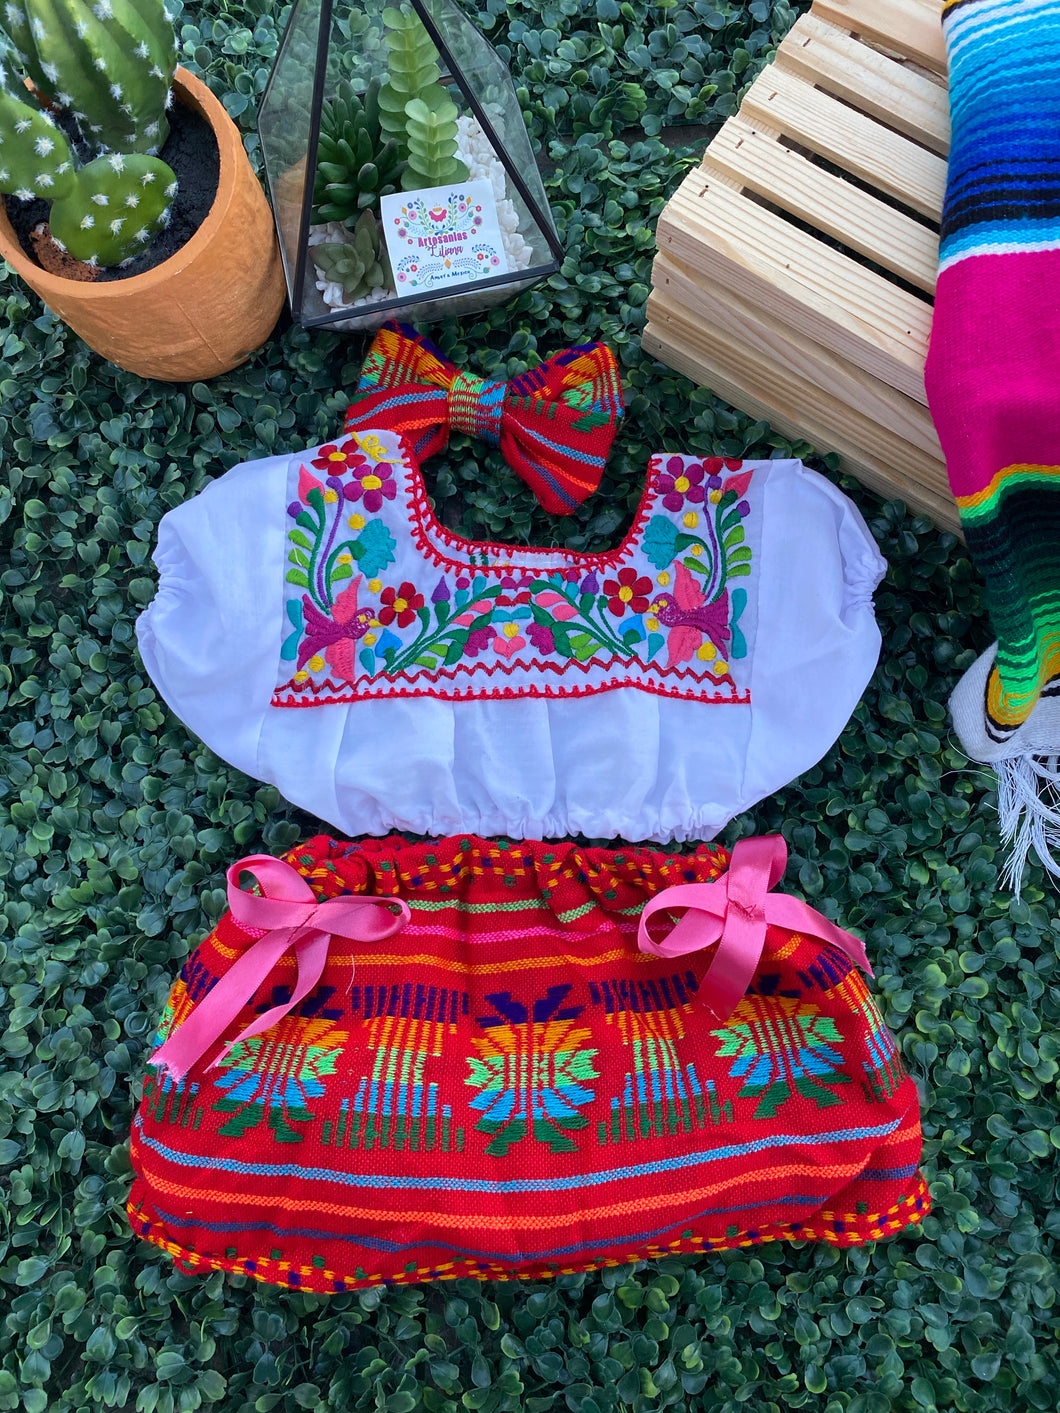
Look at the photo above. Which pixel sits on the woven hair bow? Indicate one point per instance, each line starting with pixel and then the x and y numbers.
pixel 554 424
pixel 734 911
pixel 287 916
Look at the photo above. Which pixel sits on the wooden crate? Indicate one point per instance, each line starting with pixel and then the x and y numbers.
pixel 796 265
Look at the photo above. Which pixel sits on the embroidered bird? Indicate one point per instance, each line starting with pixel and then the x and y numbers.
pixel 335 636
pixel 691 619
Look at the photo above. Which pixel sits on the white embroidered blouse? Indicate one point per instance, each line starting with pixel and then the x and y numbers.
pixel 319 629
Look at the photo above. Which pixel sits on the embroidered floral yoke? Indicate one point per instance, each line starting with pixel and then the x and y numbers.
pixel 510 1087
pixel 377 611
pixel 319 629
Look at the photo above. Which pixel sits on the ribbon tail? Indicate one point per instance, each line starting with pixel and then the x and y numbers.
pixel 311 954
pixel 211 1017
pixel 783 910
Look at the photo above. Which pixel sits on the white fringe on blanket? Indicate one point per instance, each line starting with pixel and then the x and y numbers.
pixel 1029 813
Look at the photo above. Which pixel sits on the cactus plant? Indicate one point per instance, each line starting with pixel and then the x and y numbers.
pixel 108 62
pixel 109 65
pixel 414 108
pixel 359 266
pixel 355 164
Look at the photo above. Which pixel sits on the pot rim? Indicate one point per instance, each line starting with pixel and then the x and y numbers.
pixel 194 94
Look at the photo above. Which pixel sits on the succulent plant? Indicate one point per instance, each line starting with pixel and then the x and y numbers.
pixel 414 108
pixel 109 65
pixel 360 265
pixel 356 165
pixel 108 62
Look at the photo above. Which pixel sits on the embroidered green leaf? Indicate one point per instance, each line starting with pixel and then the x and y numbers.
pixel 587 602
pixel 425 661
pixel 315 498
pixel 583 646
pixel 441 611
pixel 297 557
pixel 307 522
pixel 738 554
pixel 424 615
pixel 299 539
pixel 455 651
pixel 731 518
pixel 696 565
pixel 295 576
pixel 734 537
pixel 342 571
pixel 739 569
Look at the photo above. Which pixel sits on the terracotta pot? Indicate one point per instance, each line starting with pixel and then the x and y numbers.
pixel 206 308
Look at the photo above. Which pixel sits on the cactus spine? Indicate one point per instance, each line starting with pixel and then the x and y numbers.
pixel 110 64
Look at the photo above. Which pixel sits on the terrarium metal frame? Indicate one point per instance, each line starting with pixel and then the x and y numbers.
pixel 452 72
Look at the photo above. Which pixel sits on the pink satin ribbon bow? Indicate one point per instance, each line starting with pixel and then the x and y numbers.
pixel 287 916
pixel 734 911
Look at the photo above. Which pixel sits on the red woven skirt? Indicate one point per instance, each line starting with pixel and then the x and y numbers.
pixel 509 1087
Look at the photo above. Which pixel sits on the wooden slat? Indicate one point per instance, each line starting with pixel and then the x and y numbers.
pixel 817 290
pixel 712 305
pixel 831 424
pixel 893 93
pixel 774 395
pixel 909 27
pixel 759 163
pixel 800 398
pixel 833 130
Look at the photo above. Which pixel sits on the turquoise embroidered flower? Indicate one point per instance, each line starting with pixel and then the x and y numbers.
pixel 660 541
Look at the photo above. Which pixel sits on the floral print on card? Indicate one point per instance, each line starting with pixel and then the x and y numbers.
pixel 381 600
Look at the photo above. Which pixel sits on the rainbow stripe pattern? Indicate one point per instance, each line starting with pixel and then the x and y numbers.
pixel 509 1087
pixel 992 369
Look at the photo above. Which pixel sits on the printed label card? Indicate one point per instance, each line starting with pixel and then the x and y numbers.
pixel 442 236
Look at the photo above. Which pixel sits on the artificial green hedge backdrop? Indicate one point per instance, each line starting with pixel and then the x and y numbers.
pixel 116 826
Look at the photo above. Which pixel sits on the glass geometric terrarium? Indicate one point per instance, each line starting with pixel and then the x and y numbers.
pixel 402 177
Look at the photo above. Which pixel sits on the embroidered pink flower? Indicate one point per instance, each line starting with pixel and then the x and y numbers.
pixel 478 640
pixel 627 591
pixel 307 483
pixel 679 483
pixel 400 604
pixel 508 640
pixel 373 483
pixel 336 459
pixel 541 637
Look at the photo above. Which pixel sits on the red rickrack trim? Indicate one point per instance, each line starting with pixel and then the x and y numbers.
pixel 350 697
pixel 424 523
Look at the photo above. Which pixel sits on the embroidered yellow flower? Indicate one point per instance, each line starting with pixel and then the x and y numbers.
pixel 653 624
pixel 697 550
pixel 301 676
pixel 331 496
pixel 344 559
pixel 691 520
pixel 664 578
pixel 720 668
pixel 714 497
pixel 316 662
pixel 370 639
pixel 374 585
pixel 706 652
pixel 356 522
pixel 510 630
